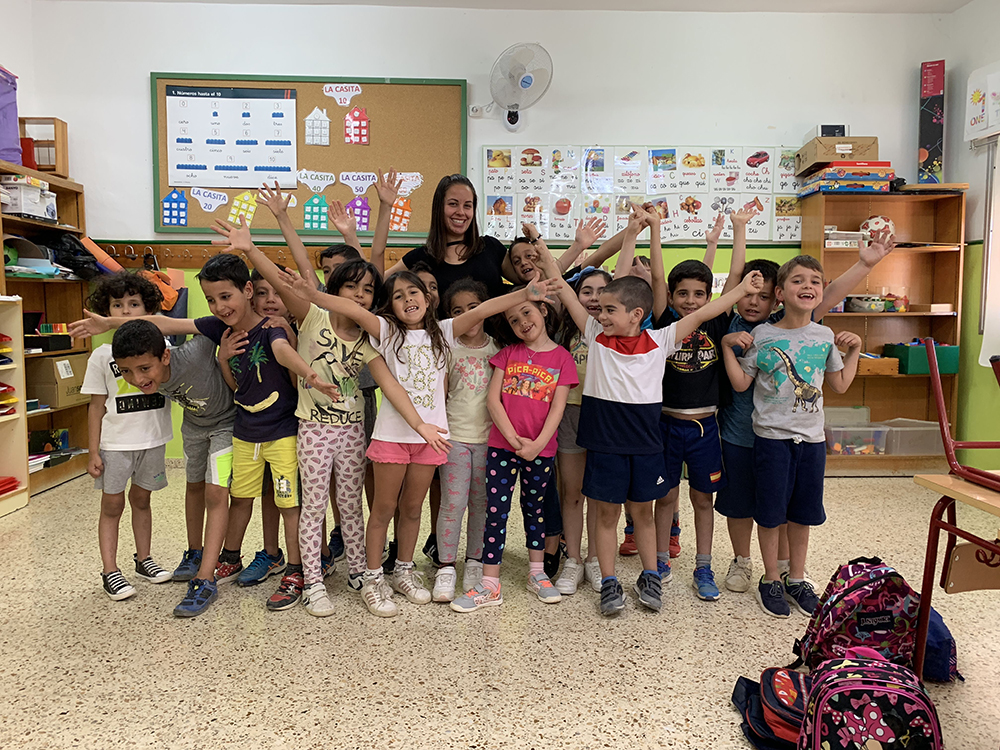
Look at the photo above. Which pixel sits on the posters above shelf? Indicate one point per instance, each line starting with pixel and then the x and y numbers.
pixel 556 186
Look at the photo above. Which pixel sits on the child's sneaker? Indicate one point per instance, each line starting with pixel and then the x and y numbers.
pixel 263 567
pixel 151 571
pixel 288 594
pixel 431 550
pixel 327 564
pixel 740 575
pixel 444 584
pixel 541 586
pixel 378 596
pixel 337 548
pixel 188 569
pixel 355 581
pixel 801 595
pixel 628 548
pixel 199 595
pixel 704 584
pixel 116 587
pixel 389 563
pixel 663 568
pixel 550 564
pixel 675 540
pixel 570 578
pixel 592 573
pixel 226 572
pixel 410 583
pixel 477 598
pixel 771 598
pixel 473 574
pixel 317 601
pixel 649 589
pixel 612 597
pixel 785 567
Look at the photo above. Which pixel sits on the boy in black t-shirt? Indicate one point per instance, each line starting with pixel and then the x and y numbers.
pixel 690 400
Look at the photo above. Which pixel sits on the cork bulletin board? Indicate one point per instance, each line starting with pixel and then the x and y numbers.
pixel 216 138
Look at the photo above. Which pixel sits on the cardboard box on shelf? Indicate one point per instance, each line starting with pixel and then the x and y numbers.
pixel 828 150
pixel 56 381
pixel 851 173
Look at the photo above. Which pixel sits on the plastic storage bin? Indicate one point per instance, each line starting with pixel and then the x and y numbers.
pixel 847 415
pixel 913 437
pixel 856 440
pixel 913 359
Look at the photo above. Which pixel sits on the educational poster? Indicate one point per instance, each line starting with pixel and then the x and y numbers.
pixel 533 208
pixel 531 168
pixel 993 101
pixel 695 215
pixel 666 207
pixel 692 170
pixel 630 170
pixel 500 220
pixel 758 170
pixel 759 227
pixel 565 171
pixel 623 207
pixel 787 219
pixel 601 206
pixel 724 204
pixel 230 138
pixel 725 171
pixel 662 175
pixel 785 181
pixel 499 174
pixel 563 213
pixel 598 171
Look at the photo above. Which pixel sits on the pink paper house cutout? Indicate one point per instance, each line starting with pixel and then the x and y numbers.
pixel 356 127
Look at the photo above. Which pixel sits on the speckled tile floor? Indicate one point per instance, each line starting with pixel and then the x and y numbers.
pixel 81 671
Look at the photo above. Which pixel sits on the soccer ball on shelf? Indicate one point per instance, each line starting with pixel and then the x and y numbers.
pixel 875 224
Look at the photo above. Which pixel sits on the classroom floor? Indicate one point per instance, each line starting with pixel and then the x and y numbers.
pixel 81 671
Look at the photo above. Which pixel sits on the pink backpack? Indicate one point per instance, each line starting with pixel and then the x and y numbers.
pixel 867 603
pixel 863 702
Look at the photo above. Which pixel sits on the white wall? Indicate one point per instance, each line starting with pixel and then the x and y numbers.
pixel 682 78
pixel 17 53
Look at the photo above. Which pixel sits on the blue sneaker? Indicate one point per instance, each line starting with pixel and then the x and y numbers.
pixel 337 544
pixel 704 584
pixel 326 563
pixel 199 595
pixel 188 568
pixel 263 567
pixel 663 568
pixel 771 598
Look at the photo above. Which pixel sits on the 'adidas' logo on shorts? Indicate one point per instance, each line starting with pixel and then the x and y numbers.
pixel 659 480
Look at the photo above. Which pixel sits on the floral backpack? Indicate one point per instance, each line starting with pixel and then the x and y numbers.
pixel 867 603
pixel 863 702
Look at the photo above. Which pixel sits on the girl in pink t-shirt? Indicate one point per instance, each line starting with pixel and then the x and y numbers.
pixel 527 395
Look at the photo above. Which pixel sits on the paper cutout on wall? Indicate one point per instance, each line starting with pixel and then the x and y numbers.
pixel 533 209
pixel 410 182
pixel 785 180
pixel 356 127
pixel 359 182
pixel 244 204
pixel 598 176
pixel 623 207
pixel 724 204
pixel 601 206
pixel 361 211
pixel 500 221
pixel 759 227
pixel 499 176
pixel 317 128
pixel 316 181
pixel 399 217
pixel 662 170
pixel 209 199
pixel 630 170
pixel 532 170
pixel 175 209
pixel 314 213
pixel 787 219
pixel 695 215
pixel 725 169
pixel 692 170
pixel 342 92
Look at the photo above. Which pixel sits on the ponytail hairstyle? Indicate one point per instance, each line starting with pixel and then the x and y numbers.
pixel 437 235
pixel 356 270
pixel 430 322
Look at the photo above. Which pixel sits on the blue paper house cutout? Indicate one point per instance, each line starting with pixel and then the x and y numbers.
pixel 175 209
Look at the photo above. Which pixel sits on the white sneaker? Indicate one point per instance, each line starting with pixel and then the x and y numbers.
pixel 316 600
pixel 410 583
pixel 355 581
pixel 740 575
pixel 473 575
pixel 570 577
pixel 378 597
pixel 444 584
pixel 592 572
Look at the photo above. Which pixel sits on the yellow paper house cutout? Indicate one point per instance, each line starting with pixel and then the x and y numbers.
pixel 245 203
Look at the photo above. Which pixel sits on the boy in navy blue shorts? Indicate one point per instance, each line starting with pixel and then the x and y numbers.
pixel 787 363
pixel 620 410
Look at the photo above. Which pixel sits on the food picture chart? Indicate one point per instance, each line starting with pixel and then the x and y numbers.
pixel 553 187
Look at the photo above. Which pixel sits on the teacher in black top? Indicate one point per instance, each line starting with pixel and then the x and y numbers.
pixel 455 249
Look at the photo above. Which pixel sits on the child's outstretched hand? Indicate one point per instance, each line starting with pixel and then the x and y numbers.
pixel 342 219
pixel 590 231
pixel 530 231
pixel 272 198
pixel 330 390
pixel 713 234
pixel 541 290
pixel 278 321
pixel 752 283
pixel 433 436
pixel 234 239
pixel 741 217
pixel 387 186
pixel 298 284
pixel 233 344
pixel 883 243
pixel 639 269
pixel 91 325
pixel 738 339
pixel 848 340
pixel 636 220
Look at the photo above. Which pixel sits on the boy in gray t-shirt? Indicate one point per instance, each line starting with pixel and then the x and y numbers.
pixel 787 362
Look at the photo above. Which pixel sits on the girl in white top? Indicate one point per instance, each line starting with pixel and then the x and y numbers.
pixel 463 477
pixel 415 347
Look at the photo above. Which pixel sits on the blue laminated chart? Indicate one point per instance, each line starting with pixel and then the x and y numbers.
pixel 229 137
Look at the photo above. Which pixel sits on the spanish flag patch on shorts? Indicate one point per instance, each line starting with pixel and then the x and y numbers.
pixel 715 476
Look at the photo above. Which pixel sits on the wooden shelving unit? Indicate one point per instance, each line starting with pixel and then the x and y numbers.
pixel 62 301
pixel 929 271
pixel 13 433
